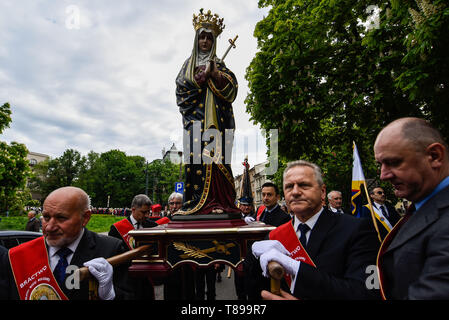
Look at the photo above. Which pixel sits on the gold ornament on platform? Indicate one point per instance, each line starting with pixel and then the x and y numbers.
pixel 190 250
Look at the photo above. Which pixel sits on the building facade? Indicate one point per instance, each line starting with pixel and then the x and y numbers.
pixel 35 158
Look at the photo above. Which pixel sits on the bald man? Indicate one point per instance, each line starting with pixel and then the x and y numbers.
pixel 414 258
pixel 39 269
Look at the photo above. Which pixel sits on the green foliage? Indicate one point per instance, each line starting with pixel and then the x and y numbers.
pixel 14 168
pixel 13 223
pixel 324 80
pixel 51 174
pixel 102 222
pixel 97 222
pixel 112 173
pixel 162 178
pixel 5 116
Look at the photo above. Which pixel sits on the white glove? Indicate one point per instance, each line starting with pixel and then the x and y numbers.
pixel 290 265
pixel 260 247
pixel 249 219
pixel 103 272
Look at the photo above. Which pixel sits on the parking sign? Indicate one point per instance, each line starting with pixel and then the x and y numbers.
pixel 179 187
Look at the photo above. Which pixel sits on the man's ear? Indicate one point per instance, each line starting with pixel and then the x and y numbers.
pixel 436 153
pixel 323 192
pixel 86 217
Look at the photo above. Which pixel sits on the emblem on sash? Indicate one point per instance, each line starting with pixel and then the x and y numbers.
pixel 44 292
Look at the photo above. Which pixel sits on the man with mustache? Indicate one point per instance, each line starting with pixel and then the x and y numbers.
pixel 38 269
pixel 414 258
pixel 325 255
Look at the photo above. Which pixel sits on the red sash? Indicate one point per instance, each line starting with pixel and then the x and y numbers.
pixel 259 212
pixel 32 273
pixel 384 246
pixel 124 227
pixel 163 220
pixel 287 236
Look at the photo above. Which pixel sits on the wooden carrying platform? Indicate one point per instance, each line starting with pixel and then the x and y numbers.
pixel 199 243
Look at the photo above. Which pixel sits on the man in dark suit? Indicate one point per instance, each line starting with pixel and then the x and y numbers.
pixel 414 258
pixel 33 224
pixel 385 214
pixel 140 208
pixel 273 214
pixel 339 246
pixel 68 243
pixel 335 200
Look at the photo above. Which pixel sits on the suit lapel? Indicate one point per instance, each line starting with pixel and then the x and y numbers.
pixel 85 250
pixel 421 219
pixel 324 223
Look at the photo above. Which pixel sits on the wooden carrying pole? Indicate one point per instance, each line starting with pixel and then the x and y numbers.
pixel 118 259
pixel 276 272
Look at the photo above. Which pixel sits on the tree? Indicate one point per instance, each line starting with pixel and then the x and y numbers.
pixel 14 168
pixel 115 175
pixel 324 80
pixel 111 174
pixel 55 173
pixel 162 178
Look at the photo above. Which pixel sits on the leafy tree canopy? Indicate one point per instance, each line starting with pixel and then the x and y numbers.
pixel 324 80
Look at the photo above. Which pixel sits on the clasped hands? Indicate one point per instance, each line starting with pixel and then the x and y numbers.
pixel 273 250
pixel 212 70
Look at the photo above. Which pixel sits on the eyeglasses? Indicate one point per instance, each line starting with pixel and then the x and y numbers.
pixel 380 192
pixel 173 203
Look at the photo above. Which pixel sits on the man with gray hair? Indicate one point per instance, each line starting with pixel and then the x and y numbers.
pixel 140 208
pixel 33 224
pixel 325 255
pixel 335 200
pixel 174 202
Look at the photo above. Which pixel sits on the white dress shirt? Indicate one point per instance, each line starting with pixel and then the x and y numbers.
pixel 135 223
pixel 310 223
pixel 378 211
pixel 54 258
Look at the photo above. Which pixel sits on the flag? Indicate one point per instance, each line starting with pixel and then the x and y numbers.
pixel 358 179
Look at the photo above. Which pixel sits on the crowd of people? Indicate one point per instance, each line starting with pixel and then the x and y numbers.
pixel 325 253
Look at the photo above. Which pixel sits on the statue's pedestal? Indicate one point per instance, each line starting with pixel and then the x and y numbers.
pixel 199 243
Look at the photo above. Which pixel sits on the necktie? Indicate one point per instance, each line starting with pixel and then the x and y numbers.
pixel 303 228
pixel 60 268
pixel 384 212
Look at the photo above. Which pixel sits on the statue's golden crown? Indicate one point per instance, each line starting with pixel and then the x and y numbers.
pixel 208 21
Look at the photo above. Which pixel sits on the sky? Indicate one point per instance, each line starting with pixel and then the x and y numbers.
pixel 100 75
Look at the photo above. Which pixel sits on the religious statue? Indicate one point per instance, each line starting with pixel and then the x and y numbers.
pixel 205 90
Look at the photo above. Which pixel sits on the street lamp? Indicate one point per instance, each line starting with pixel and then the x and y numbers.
pixel 180 165
pixel 146 179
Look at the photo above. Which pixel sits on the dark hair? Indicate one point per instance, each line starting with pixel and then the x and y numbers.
pixel 140 200
pixel 271 184
pixel 371 190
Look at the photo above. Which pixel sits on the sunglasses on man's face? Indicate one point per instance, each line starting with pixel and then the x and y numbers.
pixel 380 192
